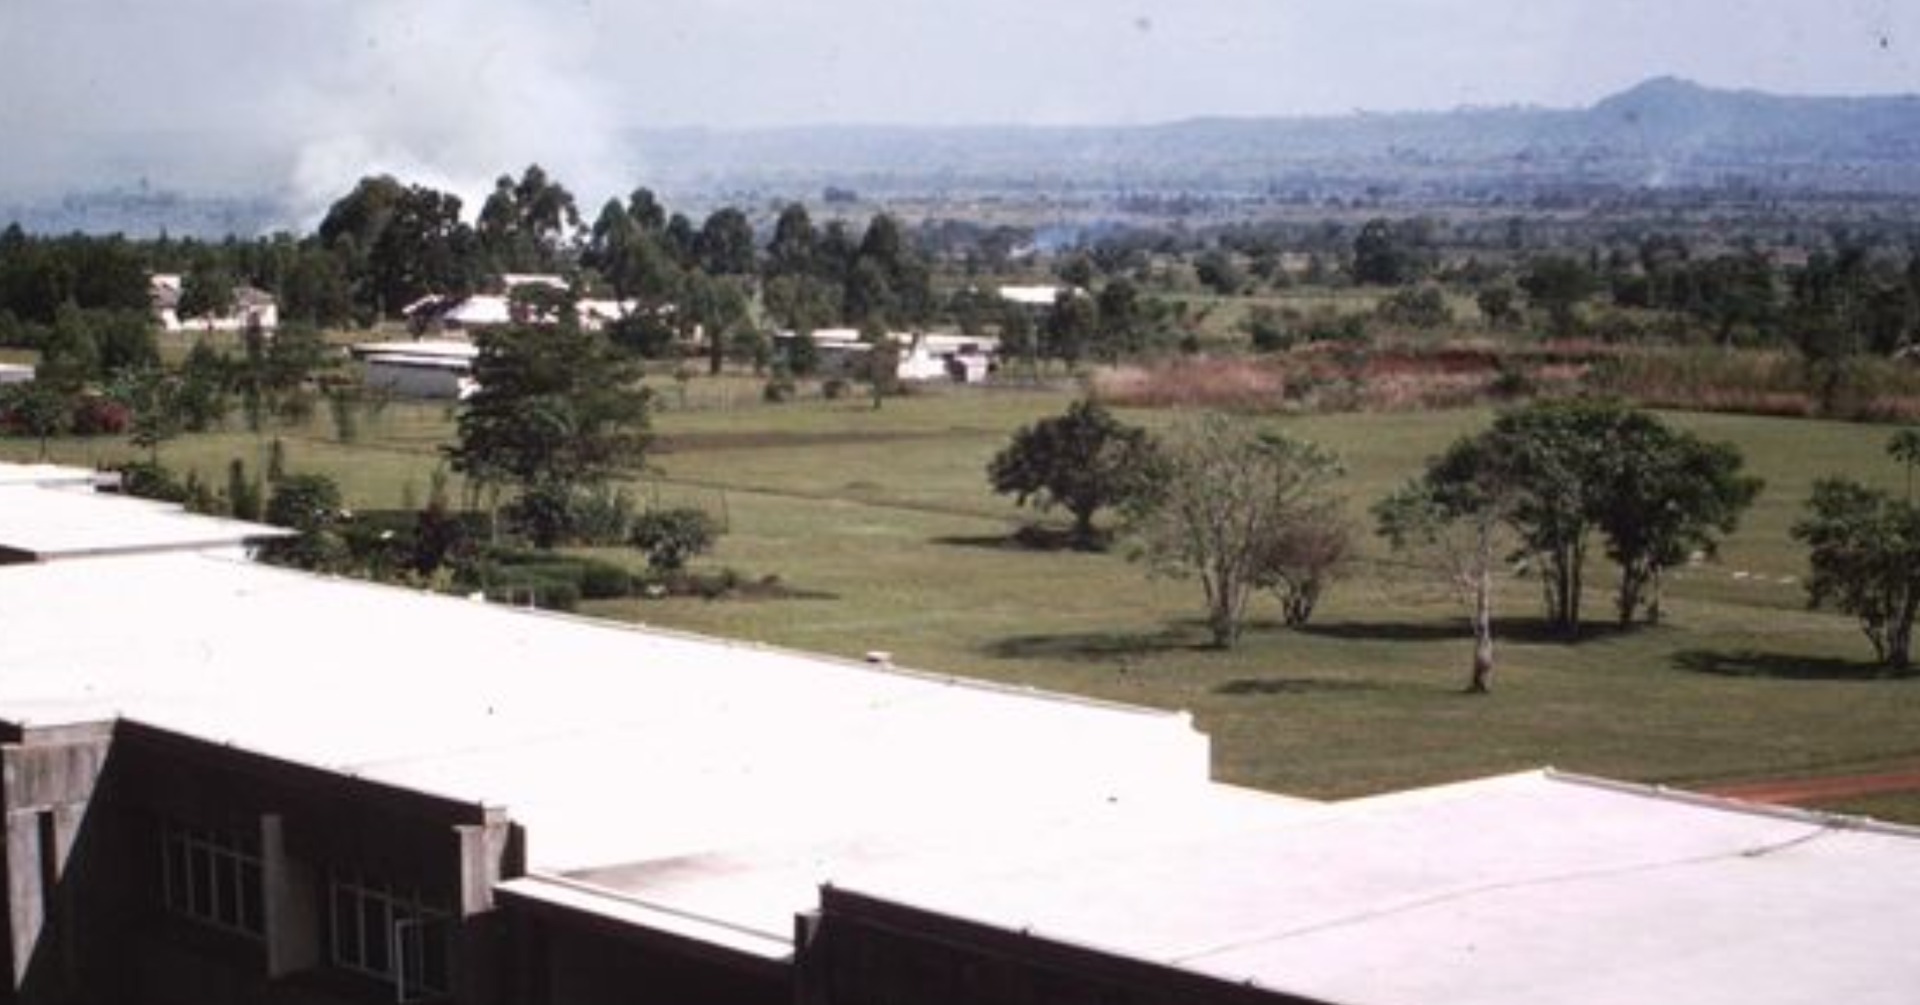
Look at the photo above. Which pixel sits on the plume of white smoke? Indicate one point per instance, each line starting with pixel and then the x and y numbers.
pixel 452 94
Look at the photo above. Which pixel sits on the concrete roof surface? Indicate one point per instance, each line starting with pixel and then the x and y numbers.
pixel 1521 889
pixel 47 521
pixel 50 475
pixel 581 730
pixel 760 881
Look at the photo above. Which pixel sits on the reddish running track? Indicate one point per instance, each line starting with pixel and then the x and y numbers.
pixel 1800 791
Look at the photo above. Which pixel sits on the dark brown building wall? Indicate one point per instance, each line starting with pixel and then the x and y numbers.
pixel 861 950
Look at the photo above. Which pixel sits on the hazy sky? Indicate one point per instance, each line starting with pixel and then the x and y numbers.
pixel 455 87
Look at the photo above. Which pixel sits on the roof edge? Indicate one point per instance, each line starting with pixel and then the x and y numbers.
pixel 1649 790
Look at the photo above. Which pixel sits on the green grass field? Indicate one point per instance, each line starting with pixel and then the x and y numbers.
pixel 882 523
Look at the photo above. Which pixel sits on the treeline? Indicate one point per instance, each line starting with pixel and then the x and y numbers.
pixel 726 280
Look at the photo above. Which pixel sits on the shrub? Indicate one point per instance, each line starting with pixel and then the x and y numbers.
pixel 94 415
pixel 1268 328
pixel 602 515
pixel 670 537
pixel 835 388
pixel 543 514
pixel 778 390
pixel 603 580
pixel 151 480
pixel 1416 307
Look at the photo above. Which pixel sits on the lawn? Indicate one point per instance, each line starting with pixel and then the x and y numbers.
pixel 881 525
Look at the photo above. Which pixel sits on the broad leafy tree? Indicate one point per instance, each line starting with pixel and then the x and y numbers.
pixel 206 292
pixel 526 223
pixel 726 243
pixel 37 408
pixel 1556 453
pixel 1577 468
pixel 400 243
pixel 1305 560
pixel 1666 495
pixel 1082 461
pixel 794 249
pixel 558 409
pixel 1558 285
pixel 1385 254
pixel 1864 549
pixel 1453 521
pixel 1221 497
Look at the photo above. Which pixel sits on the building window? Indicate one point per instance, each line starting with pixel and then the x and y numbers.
pixel 213 877
pixel 395 936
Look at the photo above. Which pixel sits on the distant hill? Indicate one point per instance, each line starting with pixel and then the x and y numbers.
pixel 1665 132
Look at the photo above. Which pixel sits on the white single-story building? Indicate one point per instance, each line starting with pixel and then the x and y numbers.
pixel 425 368
pixel 1036 296
pixel 923 356
pixel 253 309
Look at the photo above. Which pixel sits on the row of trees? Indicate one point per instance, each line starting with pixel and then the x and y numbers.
pixel 1238 510
pixel 1541 484
pixel 1214 500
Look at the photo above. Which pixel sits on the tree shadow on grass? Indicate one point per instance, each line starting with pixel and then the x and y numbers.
pixel 1387 631
pixel 1249 686
pixel 1778 666
pixel 1028 538
pixel 1096 645
pixel 1529 630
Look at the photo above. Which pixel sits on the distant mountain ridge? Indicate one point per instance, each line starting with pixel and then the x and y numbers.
pixel 1663 134
pixel 1665 131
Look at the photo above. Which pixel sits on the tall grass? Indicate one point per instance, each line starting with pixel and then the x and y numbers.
pixel 1762 383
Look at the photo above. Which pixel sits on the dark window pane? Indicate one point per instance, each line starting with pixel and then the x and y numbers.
pixel 433 963
pixel 200 882
pixel 252 902
pixel 226 889
pixel 176 878
pixel 346 927
pixel 373 914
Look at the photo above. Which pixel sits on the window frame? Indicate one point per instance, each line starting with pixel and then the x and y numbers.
pixel 412 950
pixel 215 878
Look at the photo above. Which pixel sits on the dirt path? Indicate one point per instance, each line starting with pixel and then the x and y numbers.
pixel 1800 791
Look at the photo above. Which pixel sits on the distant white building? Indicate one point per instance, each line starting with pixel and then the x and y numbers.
pixel 15 373
pixel 428 368
pixel 1035 296
pixel 923 356
pixel 253 308
pixel 480 311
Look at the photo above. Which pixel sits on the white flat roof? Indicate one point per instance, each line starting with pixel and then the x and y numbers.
pixel 50 475
pixel 1508 891
pixel 612 744
pixel 452 349
pixel 1033 296
pixel 758 883
pixel 46 521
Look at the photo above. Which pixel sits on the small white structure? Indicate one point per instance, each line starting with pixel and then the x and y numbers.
pixel 429 368
pixel 1035 296
pixel 923 356
pixel 15 373
pixel 497 310
pixel 253 309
